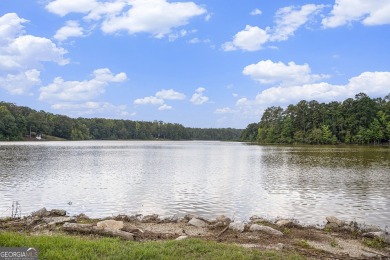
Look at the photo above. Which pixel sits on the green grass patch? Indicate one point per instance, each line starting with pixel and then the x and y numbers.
pixel 374 243
pixel 333 243
pixel 75 247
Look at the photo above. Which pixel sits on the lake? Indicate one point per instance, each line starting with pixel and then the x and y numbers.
pixel 104 178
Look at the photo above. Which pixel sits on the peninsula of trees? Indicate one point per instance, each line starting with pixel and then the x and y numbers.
pixel 362 120
pixel 17 122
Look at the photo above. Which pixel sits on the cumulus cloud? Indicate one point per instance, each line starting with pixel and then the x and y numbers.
pixel 21 83
pixel 290 18
pixel 256 12
pixel 366 12
pixel 372 83
pixel 159 99
pixel 92 108
pixel 170 94
pixel 63 90
pixel 198 97
pixel 64 7
pixel 22 55
pixel 157 17
pixel 249 39
pixel 267 72
pixel 71 29
pixel 287 21
pixel 152 100
pixel 225 110
pixel 165 107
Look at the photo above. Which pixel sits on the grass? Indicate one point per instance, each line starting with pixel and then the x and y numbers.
pixel 76 247
pixel 376 243
pixel 333 243
pixel 303 243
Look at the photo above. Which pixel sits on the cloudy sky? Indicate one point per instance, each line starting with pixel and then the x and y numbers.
pixel 201 63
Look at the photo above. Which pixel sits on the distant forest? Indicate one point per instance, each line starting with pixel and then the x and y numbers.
pixel 362 120
pixel 16 123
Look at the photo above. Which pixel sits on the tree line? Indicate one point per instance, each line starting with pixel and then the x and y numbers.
pixel 17 122
pixel 362 120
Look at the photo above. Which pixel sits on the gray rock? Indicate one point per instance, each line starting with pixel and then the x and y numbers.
pixel 237 226
pixel 380 234
pixel 181 238
pixel 40 213
pixel 150 218
pixel 58 220
pixel 57 213
pixel 338 222
pixel 284 223
pixel 223 219
pixel 110 224
pixel 266 229
pixel 40 227
pixel 32 221
pixel 190 216
pixel 82 216
pixel 256 218
pixel 368 228
pixel 197 222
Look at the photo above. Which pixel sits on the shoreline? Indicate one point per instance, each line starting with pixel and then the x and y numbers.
pixel 337 239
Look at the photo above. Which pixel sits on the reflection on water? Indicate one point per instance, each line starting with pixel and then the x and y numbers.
pixel 102 178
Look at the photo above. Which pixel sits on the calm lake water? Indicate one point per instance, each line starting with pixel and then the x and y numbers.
pixel 103 178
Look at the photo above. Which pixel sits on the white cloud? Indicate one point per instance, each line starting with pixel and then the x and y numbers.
pixel 367 12
pixel 105 9
pixel 64 7
pixel 22 55
pixel 152 100
pixel 165 107
pixel 372 83
pixel 11 26
pixel 267 72
pixel 198 98
pixel 249 39
pixel 208 17
pixel 63 90
pixel 225 110
pixel 20 51
pixel 21 83
pixel 71 29
pixel 256 12
pixel 160 97
pixel 93 108
pixel 157 17
pixel 289 19
pixel 170 94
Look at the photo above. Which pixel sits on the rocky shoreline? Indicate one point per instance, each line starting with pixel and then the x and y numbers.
pixel 338 239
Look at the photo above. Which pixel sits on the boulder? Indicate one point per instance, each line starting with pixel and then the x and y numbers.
pixel 237 226
pixel 333 220
pixel 368 228
pixel 223 219
pixel 40 213
pixel 58 220
pixel 379 234
pixel 181 238
pixel 110 224
pixel 150 218
pixel 57 213
pixel 197 222
pixel 265 229
pixel 284 223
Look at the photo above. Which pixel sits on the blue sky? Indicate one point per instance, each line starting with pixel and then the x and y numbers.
pixel 203 63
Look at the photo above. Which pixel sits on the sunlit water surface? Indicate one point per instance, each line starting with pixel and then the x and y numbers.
pixel 104 178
